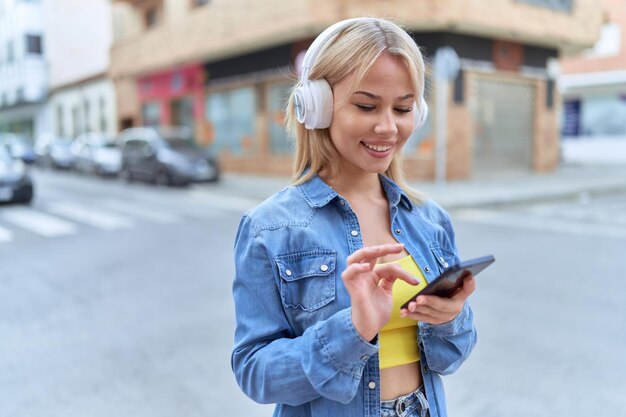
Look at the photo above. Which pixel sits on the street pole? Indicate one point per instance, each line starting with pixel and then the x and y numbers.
pixel 447 66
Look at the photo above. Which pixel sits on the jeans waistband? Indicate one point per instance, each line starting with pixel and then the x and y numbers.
pixel 413 404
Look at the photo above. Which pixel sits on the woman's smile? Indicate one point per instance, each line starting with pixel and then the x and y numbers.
pixel 378 150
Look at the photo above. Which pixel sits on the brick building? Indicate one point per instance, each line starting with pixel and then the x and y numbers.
pixel 224 67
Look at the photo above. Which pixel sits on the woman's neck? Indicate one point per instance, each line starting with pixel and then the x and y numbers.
pixel 351 187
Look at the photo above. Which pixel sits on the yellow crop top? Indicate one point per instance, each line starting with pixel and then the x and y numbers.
pixel 398 338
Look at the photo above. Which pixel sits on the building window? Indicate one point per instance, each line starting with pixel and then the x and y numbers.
pixel 75 121
pixel 60 130
pixel 151 113
pixel 232 115
pixel 103 116
pixel 198 3
pixel 33 44
pixel 151 17
pixel 87 113
pixel 558 5
pixel 280 144
pixel 10 52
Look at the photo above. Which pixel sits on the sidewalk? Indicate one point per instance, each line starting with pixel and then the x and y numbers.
pixel 567 182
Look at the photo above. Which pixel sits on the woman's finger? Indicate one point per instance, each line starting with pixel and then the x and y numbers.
pixel 352 271
pixel 369 253
pixel 390 272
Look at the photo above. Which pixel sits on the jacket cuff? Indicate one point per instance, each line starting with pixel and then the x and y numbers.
pixel 342 345
pixel 452 327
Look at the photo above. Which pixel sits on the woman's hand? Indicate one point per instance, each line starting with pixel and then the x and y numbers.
pixel 438 310
pixel 370 288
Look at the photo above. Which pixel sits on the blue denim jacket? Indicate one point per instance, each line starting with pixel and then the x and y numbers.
pixel 295 344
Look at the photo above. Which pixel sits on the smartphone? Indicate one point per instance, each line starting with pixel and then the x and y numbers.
pixel 450 280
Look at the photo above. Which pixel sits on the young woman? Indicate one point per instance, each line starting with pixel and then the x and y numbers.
pixel 323 266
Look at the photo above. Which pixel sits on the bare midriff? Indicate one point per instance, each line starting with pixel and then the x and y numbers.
pixel 399 380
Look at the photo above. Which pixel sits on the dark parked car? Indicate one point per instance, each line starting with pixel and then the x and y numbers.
pixel 15 184
pixel 18 146
pixel 166 156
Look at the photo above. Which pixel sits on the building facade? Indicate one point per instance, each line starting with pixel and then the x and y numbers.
pixel 503 106
pixel 23 67
pixel 593 86
pixel 81 94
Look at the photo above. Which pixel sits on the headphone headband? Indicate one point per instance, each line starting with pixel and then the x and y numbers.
pixel 322 39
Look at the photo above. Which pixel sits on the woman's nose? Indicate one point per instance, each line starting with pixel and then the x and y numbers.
pixel 386 124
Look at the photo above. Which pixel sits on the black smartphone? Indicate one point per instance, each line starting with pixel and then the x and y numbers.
pixel 450 280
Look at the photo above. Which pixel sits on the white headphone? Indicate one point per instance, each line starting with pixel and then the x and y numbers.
pixel 313 99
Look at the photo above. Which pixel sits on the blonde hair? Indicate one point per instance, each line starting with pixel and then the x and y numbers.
pixel 352 51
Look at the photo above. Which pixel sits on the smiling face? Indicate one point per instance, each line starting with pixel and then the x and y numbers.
pixel 372 123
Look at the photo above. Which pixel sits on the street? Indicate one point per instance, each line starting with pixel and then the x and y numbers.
pixel 115 300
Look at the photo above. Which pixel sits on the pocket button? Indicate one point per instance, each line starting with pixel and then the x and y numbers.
pixel 324 268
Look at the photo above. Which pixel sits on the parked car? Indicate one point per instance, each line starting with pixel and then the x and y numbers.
pixel 54 152
pixel 166 156
pixel 96 153
pixel 15 183
pixel 18 146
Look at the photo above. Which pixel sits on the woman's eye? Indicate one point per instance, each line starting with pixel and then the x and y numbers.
pixel 365 107
pixel 404 109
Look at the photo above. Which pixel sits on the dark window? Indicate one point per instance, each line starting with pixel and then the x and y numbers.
pixel 33 44
pixel 559 5
pixel 198 3
pixel 151 17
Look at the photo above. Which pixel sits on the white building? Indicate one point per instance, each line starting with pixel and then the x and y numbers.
pixel 593 87
pixel 82 97
pixel 23 69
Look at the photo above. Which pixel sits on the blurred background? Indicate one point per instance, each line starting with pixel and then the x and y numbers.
pixel 134 134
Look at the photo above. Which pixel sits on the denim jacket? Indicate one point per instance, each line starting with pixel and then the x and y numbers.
pixel 295 344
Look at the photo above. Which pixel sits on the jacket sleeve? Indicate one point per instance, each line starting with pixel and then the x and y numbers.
pixel 446 346
pixel 270 363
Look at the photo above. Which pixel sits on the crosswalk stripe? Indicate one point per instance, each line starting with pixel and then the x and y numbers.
pixel 545 224
pixel 37 222
pixel 89 215
pixel 140 211
pixel 5 235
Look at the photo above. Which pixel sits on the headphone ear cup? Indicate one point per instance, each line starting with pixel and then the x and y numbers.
pixel 317 100
pixel 421 113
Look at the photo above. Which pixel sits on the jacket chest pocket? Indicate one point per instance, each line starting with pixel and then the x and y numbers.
pixel 307 279
pixel 445 258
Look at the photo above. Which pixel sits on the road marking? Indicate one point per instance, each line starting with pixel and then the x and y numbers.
pixel 139 211
pixel 37 222
pixel 5 235
pixel 546 224
pixel 89 215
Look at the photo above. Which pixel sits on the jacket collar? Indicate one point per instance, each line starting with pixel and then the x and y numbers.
pixel 318 194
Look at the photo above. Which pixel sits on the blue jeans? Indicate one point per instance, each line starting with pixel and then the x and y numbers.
pixel 410 405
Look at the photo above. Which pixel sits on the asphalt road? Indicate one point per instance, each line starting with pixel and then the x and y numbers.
pixel 115 300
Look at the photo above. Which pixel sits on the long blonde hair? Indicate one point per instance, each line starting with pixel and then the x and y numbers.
pixel 352 51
